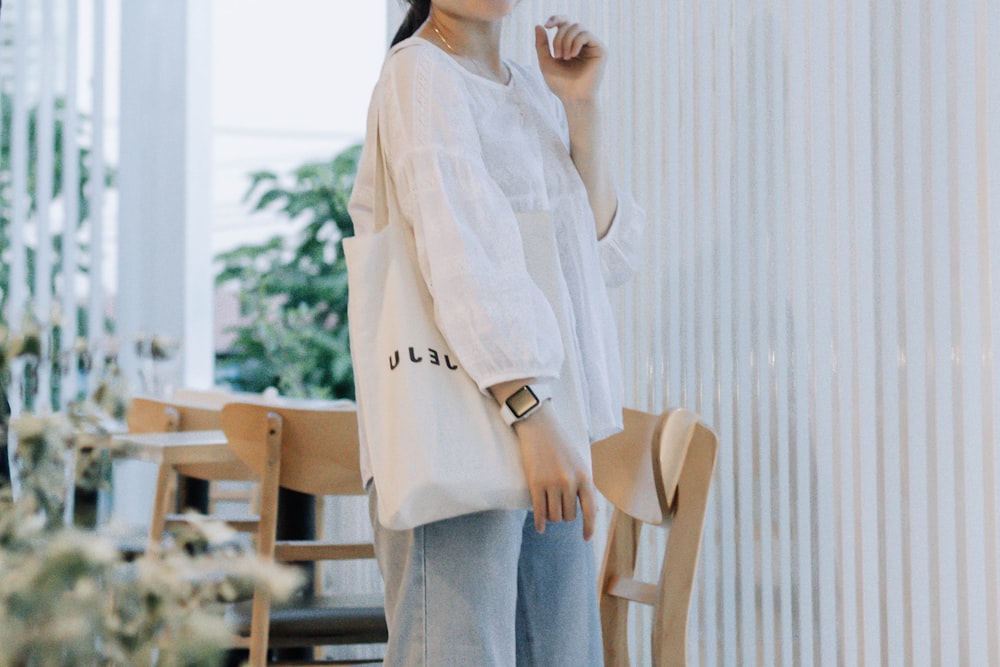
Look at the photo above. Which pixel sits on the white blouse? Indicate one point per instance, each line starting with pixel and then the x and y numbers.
pixel 467 155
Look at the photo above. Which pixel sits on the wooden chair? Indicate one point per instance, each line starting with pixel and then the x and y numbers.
pixel 657 471
pixel 312 451
pixel 220 491
pixel 216 398
pixel 147 415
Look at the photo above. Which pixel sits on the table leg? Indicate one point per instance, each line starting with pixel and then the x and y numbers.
pixel 297 521
pixel 192 494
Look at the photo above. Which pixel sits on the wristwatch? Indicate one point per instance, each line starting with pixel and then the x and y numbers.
pixel 523 402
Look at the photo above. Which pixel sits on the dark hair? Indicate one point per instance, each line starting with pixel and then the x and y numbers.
pixel 415 17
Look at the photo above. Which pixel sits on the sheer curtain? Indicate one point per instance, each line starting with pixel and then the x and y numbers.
pixel 822 180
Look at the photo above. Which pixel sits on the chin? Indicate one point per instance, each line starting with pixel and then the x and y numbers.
pixel 497 9
pixel 479 10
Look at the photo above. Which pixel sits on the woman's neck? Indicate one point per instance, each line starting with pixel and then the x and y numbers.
pixel 467 39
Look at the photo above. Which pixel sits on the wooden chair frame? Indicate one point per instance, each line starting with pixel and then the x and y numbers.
pixel 657 471
pixel 309 451
pixel 148 415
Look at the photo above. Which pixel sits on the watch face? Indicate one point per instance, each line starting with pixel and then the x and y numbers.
pixel 522 401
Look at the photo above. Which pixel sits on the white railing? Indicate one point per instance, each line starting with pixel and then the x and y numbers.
pixel 47 64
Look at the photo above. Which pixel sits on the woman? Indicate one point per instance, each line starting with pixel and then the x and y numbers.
pixel 471 141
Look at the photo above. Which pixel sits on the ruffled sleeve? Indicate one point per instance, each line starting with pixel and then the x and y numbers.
pixel 496 320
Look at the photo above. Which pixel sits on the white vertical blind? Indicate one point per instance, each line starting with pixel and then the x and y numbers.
pixel 821 179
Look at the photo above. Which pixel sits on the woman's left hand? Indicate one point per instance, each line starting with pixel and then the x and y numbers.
pixel 574 66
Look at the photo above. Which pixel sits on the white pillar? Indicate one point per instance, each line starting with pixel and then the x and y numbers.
pixel 164 179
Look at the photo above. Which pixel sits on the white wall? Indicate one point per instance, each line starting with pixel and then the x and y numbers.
pixel 821 179
pixel 290 85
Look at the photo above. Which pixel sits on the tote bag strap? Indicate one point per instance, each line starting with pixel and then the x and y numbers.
pixel 385 203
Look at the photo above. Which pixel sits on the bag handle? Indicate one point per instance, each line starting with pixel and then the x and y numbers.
pixel 382 204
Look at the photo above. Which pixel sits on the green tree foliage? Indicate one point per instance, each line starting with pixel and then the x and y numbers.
pixel 293 292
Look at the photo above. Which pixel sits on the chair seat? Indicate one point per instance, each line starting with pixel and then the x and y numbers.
pixel 336 620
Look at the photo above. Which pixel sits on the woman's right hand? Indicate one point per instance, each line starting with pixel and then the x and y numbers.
pixel 556 475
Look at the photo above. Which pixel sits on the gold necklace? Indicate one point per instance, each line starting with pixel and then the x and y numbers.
pixel 441 37
pixel 483 70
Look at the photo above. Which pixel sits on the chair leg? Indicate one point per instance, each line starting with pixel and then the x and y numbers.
pixel 260 623
pixel 619 562
pixel 681 558
pixel 319 529
pixel 160 503
pixel 259 627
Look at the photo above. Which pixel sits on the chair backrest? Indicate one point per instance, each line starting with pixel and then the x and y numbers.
pixel 151 415
pixel 657 471
pixel 216 398
pixel 318 448
pixel 207 397
pixel 147 415
pixel 312 451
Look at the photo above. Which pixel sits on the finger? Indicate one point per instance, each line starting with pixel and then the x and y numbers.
pixel 560 23
pixel 538 508
pixel 588 505
pixel 555 506
pixel 580 40
pixel 569 506
pixel 560 45
pixel 556 20
pixel 563 40
pixel 542 44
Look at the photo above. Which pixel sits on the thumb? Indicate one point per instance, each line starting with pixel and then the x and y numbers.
pixel 542 44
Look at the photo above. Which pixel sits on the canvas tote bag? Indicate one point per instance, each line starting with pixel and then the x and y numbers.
pixel 437 445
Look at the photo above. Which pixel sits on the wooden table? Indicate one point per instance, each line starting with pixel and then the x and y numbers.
pixel 179 452
pixel 191 492
pixel 177 447
pixel 183 452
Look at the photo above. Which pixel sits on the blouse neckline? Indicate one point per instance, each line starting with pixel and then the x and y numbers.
pixel 477 77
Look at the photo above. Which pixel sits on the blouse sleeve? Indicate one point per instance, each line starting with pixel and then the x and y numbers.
pixel 620 247
pixel 496 320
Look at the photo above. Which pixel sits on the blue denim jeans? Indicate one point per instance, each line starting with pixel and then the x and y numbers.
pixel 486 590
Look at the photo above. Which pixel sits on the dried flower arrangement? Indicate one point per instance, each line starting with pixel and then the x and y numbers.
pixel 67 595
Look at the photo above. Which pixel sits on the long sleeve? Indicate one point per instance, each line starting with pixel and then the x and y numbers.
pixel 496 320
pixel 619 249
